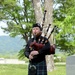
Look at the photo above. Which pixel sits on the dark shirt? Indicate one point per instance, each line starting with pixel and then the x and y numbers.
pixel 42 52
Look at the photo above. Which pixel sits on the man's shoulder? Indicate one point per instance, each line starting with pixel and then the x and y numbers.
pixel 30 40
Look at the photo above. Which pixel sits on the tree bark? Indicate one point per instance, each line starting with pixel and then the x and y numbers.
pixel 38 11
pixel 49 20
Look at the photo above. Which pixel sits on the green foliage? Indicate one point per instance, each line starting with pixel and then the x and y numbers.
pixel 60 57
pixel 16 16
pixel 21 54
pixel 5 8
pixel 64 18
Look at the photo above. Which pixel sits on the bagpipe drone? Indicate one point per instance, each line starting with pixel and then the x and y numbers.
pixel 38 46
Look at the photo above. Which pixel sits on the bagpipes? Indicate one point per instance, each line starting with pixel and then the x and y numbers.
pixel 39 46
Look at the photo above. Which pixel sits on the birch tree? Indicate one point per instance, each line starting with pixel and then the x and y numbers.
pixel 39 16
pixel 49 20
pixel 38 11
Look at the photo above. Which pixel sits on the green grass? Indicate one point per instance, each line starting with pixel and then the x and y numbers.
pixel 59 70
pixel 15 69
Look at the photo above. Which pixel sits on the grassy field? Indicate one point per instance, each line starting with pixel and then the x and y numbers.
pixel 6 69
pixel 13 69
pixel 59 70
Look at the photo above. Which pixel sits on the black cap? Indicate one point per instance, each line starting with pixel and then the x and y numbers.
pixel 37 25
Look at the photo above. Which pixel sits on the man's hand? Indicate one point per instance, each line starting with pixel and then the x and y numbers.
pixel 30 57
pixel 34 53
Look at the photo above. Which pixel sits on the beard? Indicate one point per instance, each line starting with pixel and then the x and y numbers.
pixel 37 34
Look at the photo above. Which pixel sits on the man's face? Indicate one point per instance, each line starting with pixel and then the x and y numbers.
pixel 36 31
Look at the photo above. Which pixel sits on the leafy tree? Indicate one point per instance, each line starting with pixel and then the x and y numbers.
pixel 17 17
pixel 64 18
pixel 20 16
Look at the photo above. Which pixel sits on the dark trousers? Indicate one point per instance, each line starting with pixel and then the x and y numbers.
pixel 41 68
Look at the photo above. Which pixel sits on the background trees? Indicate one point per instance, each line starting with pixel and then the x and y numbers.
pixel 64 19
pixel 20 15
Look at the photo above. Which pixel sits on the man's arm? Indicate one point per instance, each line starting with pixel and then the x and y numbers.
pixel 27 52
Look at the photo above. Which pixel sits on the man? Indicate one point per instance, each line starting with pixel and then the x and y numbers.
pixel 36 49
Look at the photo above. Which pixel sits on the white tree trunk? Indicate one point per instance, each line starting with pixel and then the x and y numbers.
pixel 49 20
pixel 38 11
